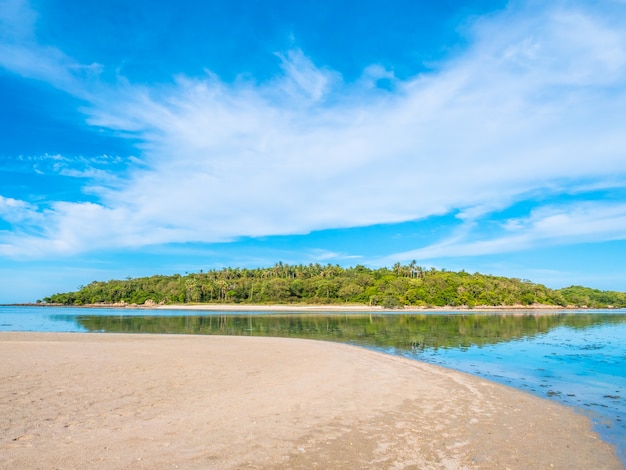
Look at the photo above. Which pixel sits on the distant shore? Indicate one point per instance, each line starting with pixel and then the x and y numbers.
pixel 164 401
pixel 313 308
pixel 347 308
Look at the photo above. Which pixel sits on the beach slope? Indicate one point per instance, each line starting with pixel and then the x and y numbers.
pixel 157 401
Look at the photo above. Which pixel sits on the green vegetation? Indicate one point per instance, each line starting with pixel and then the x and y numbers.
pixel 402 285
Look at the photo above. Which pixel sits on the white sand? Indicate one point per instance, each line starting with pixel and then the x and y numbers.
pixel 155 401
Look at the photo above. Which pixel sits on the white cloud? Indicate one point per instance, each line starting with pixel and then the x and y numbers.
pixel 535 103
pixel 14 210
pixel 302 78
pixel 21 53
pixel 547 226
pixel 99 170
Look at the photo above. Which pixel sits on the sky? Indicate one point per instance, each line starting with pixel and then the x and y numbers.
pixel 158 137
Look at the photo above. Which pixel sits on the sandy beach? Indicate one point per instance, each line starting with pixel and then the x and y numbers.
pixel 164 401
pixel 347 308
pixel 307 308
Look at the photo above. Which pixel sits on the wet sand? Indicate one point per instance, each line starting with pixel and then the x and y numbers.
pixel 157 401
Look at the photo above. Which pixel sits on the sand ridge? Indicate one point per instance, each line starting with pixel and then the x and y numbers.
pixel 167 401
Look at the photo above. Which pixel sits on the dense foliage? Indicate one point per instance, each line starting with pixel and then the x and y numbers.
pixel 402 285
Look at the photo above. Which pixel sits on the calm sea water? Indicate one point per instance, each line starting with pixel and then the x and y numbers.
pixel 577 358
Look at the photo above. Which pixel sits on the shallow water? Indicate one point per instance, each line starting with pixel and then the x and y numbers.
pixel 577 358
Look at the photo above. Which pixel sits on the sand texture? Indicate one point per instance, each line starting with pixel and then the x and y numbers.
pixel 102 401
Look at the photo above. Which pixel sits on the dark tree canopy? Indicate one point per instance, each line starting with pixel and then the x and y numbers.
pixel 396 287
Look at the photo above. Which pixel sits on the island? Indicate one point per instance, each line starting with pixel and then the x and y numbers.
pixel 314 285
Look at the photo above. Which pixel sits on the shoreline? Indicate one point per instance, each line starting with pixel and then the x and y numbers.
pixel 320 308
pixel 127 400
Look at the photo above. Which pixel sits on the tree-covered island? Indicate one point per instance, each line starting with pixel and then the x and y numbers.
pixel 314 284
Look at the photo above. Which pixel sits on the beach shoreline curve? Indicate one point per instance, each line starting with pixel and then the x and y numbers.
pixel 133 401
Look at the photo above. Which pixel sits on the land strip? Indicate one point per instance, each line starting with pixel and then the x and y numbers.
pixel 167 401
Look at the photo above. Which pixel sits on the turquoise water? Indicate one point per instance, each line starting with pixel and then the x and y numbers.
pixel 577 358
pixel 581 368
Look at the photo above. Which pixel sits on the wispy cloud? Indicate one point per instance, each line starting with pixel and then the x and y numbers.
pixel 95 167
pixel 15 211
pixel 546 226
pixel 302 79
pixel 21 53
pixel 535 102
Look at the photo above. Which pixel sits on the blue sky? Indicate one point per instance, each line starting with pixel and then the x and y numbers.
pixel 141 138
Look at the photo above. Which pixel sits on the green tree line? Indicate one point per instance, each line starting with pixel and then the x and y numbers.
pixel 395 287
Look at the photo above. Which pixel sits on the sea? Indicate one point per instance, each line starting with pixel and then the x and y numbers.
pixel 573 357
